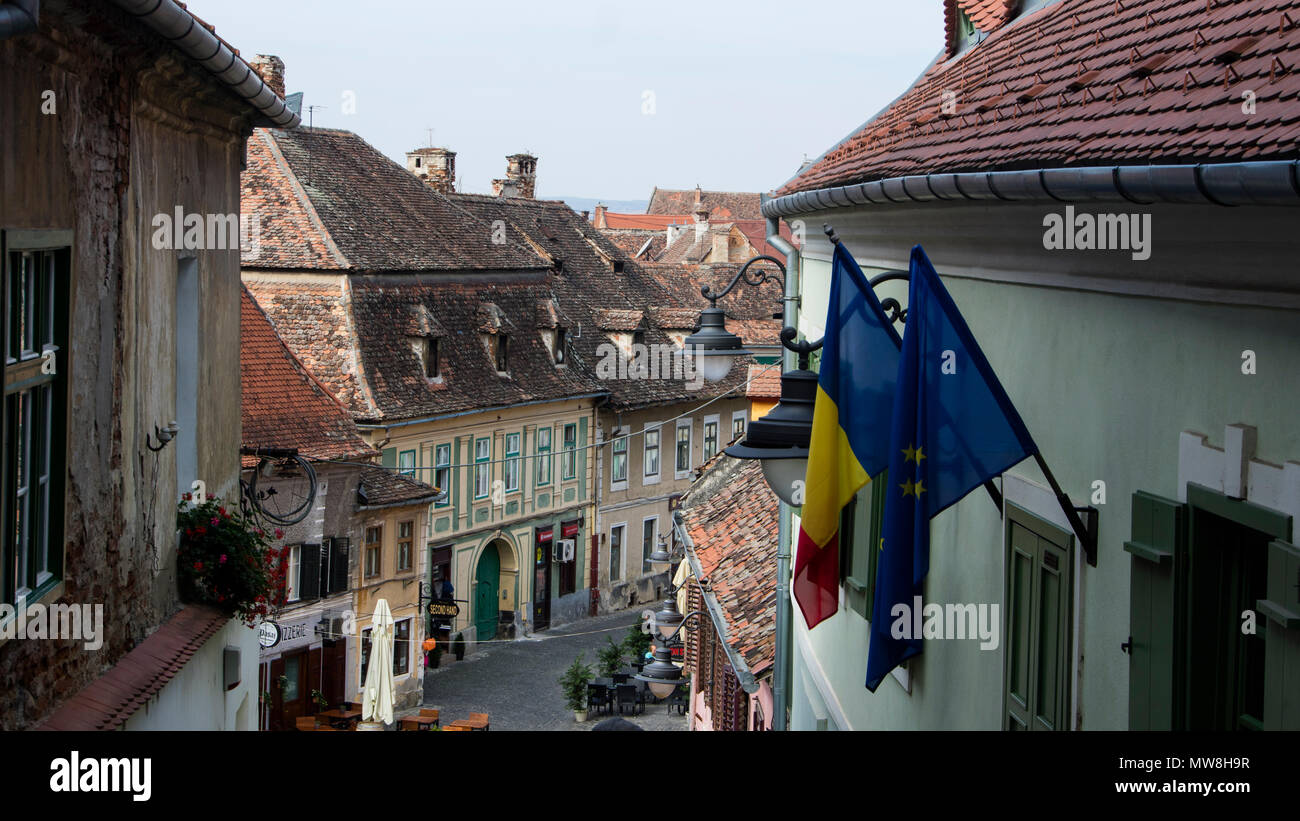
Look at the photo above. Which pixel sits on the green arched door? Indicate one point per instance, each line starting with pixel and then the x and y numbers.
pixel 488 578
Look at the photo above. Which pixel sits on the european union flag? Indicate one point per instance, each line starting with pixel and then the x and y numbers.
pixel 953 429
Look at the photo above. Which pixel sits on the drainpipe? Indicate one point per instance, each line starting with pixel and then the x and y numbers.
pixel 784 638
pixel 19 17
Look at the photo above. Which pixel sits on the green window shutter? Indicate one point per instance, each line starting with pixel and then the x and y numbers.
pixel 1158 547
pixel 860 539
pixel 1023 553
pixel 1282 638
pixel 389 459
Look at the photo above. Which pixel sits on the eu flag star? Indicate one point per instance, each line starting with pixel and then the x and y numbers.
pixel 909 489
pixel 920 488
pixel 913 455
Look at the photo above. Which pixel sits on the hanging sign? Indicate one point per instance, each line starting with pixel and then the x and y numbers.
pixel 569 530
pixel 268 634
pixel 444 609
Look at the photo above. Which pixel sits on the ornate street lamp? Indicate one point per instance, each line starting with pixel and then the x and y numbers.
pixel 662 675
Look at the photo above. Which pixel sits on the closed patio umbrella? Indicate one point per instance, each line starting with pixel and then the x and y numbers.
pixel 379 696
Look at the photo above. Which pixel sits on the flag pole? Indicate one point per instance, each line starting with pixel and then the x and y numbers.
pixel 1087 536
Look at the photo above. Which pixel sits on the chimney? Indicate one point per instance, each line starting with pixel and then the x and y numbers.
pixel 600 215
pixel 271 69
pixel 436 166
pixel 721 248
pixel 701 216
pixel 521 177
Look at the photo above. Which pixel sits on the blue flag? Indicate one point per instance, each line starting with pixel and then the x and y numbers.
pixel 953 429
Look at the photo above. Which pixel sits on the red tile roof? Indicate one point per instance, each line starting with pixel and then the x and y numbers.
pixel 1091 82
pixel 764 382
pixel 652 221
pixel 749 308
pixel 383 487
pixel 283 406
pixel 731 516
pixel 114 697
pixel 722 205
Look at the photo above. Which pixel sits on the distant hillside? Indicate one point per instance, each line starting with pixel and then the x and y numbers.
pixel 588 204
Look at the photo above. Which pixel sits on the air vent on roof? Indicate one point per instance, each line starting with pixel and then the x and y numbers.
pixel 1032 92
pixel 1148 66
pixel 1237 49
pixel 1083 80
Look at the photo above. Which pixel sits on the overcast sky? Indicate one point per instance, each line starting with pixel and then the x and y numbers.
pixel 613 98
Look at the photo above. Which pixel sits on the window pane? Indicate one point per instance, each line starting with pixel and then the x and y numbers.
pixel 647 541
pixel 652 452
pixel 616 553
pixel 683 449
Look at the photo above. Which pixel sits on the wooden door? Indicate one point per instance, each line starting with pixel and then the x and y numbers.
pixel 487 611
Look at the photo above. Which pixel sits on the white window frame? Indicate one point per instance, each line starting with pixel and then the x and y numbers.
pixel 514 463
pixel 689 425
pixel 569 456
pixel 621 440
pixel 293 580
pixel 441 468
pixel 622 558
pixel 404 466
pixel 646 568
pixel 646 430
pixel 483 468
pixel 716 419
pixel 743 415
pixel 544 455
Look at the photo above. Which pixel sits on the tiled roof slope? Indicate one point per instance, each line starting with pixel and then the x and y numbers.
pixel 631 240
pixel 117 695
pixel 690 248
pixel 282 405
pixel 382 310
pixel 731 517
pixel 314 320
pixel 656 222
pixel 289 233
pixel 764 382
pixel 722 205
pixel 749 308
pixel 379 216
pixel 382 487
pixel 1093 82
pixel 586 284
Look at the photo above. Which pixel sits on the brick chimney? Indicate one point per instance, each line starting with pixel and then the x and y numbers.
pixel 271 69
pixel 701 216
pixel 436 166
pixel 521 177
pixel 600 215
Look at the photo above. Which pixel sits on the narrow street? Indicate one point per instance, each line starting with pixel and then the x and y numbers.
pixel 515 682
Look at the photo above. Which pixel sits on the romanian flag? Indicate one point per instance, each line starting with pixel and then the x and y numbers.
pixel 850 433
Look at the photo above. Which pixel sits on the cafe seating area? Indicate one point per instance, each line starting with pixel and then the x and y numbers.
pixel 630 696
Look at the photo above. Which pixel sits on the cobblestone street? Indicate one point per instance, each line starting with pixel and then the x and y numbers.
pixel 515 682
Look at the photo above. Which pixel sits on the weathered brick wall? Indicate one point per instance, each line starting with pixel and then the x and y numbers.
pixel 73 169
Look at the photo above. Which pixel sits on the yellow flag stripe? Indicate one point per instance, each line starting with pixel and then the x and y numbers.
pixel 834 473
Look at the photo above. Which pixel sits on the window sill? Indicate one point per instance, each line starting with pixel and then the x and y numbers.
pixel 615 487
pixel 47 598
pixel 646 481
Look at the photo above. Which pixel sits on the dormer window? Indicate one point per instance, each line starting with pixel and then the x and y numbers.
pixel 431 363
pixel 638 337
pixel 503 352
pixel 561 340
pixel 618 266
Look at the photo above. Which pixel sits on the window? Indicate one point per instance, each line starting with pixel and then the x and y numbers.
pixel 649 529
pixel 860 528
pixel 616 536
pixel 374 545
pixel 31 552
pixel 683 463
pixel 738 420
pixel 482 468
pixel 402 647
pixel 560 342
pixel 570 462
pixel 442 472
pixel 291 579
pixel 543 456
pixel 334 568
pixel 405 545
pixel 406 463
pixel 710 437
pixel 503 353
pixel 618 467
pixel 431 364
pixel 1039 597
pixel 292 675
pixel 513 462
pixel 650 455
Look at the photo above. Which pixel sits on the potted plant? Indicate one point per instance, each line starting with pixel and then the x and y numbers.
pixel 321 704
pixel 227 561
pixel 573 685
pixel 458 646
pixel 637 643
pixel 610 659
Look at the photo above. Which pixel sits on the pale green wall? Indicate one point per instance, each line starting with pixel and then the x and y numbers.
pixel 1105 384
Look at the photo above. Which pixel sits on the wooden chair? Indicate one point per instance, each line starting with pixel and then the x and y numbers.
pixel 305 723
pixel 427 713
pixel 453 728
pixel 480 718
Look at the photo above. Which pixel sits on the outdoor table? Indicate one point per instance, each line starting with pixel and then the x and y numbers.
pixel 469 723
pixel 417 722
pixel 332 716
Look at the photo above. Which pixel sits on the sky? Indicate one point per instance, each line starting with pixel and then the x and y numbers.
pixel 613 100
